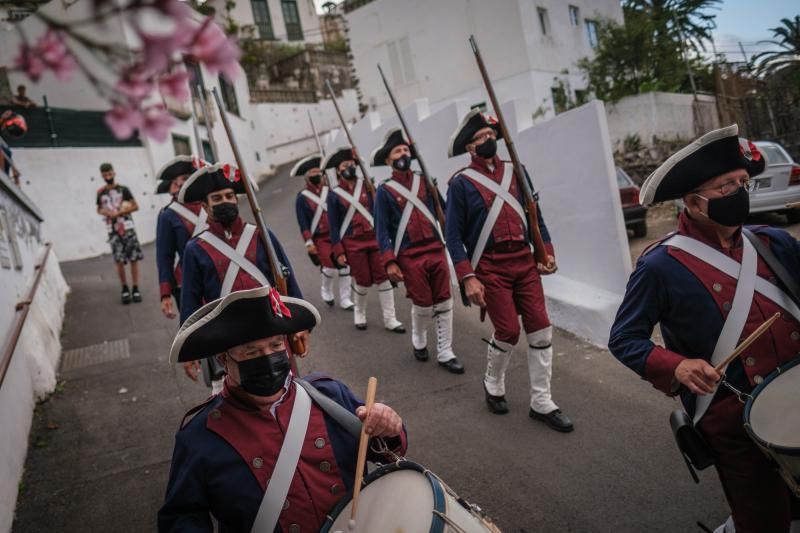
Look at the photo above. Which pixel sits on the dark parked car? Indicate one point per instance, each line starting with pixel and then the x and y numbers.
pixel 634 213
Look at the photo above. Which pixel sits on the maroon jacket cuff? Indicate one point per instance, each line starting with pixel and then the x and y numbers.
pixel 388 257
pixel 548 246
pixel 660 369
pixel 463 269
pixel 165 289
pixel 338 249
pixel 306 234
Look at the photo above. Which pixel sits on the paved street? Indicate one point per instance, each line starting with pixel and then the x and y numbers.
pixel 101 446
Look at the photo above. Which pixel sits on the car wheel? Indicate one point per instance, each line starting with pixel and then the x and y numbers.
pixel 640 230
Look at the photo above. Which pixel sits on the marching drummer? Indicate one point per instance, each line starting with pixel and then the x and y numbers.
pixel 687 282
pixel 227 449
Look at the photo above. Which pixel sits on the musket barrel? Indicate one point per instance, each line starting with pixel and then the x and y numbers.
pixel 367 182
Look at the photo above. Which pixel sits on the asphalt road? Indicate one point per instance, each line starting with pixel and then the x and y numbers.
pixel 100 447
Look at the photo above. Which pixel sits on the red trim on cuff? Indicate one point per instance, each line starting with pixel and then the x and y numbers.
pixel 463 269
pixel 306 234
pixel 165 288
pixel 660 368
pixel 388 257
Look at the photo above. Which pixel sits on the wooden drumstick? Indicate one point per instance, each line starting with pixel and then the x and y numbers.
pixel 372 386
pixel 747 342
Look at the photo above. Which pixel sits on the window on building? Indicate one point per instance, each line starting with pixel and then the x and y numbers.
pixel 291 16
pixel 228 95
pixel 208 153
pixel 181 145
pixel 262 20
pixel 591 32
pixel 581 96
pixel 401 62
pixel 559 95
pixel 574 16
pixel 544 21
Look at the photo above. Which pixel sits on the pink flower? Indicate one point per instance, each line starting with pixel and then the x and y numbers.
pixel 29 62
pixel 133 85
pixel 157 122
pixel 123 120
pixel 54 52
pixel 216 50
pixel 163 36
pixel 175 85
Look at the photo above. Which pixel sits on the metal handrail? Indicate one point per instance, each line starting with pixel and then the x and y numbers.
pixel 22 309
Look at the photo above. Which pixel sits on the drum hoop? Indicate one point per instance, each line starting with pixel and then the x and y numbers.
pixel 439 501
pixel 749 404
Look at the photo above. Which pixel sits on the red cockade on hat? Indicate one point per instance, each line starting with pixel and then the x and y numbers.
pixel 233 176
pixel 749 150
pixel 198 163
pixel 278 307
pixel 489 119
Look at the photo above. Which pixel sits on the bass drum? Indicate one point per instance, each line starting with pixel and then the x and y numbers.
pixel 405 497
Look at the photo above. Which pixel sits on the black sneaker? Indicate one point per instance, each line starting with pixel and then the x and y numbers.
pixel 126 295
pixel 137 296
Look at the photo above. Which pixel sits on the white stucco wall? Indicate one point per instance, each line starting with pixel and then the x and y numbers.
pixel 434 60
pixel 663 115
pixel 32 372
pixel 570 160
pixel 242 13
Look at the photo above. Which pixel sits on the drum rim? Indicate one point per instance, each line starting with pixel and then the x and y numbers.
pixel 439 501
pixel 751 400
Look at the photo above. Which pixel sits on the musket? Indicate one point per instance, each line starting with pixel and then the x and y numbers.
pixel 279 271
pixel 539 251
pixel 437 200
pixel 367 182
pixel 316 136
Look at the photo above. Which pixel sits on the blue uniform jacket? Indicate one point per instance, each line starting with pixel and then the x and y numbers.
pixel 171 238
pixel 387 218
pixel 336 213
pixel 661 290
pixel 202 283
pixel 209 476
pixel 465 216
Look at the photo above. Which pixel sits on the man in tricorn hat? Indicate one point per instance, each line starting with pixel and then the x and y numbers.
pixel 694 283
pixel 226 458
pixel 353 239
pixel 491 246
pixel 412 249
pixel 229 255
pixel 177 223
pixel 311 207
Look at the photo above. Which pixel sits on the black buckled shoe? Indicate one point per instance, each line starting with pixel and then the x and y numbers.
pixel 348 308
pixel 453 366
pixel 496 404
pixel 362 327
pixel 329 303
pixel 555 420
pixel 398 329
pixel 421 355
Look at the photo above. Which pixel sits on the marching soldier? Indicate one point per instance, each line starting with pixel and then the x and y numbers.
pixel 177 223
pixel 312 216
pixel 228 256
pixel 353 238
pixel 708 286
pixel 491 247
pixel 412 249
pixel 229 455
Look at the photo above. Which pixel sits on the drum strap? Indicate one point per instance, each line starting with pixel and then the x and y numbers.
pixel 774 264
pixel 282 475
pixel 342 416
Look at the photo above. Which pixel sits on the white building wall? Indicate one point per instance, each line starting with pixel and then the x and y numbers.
pixel 571 163
pixel 424 52
pixel 242 13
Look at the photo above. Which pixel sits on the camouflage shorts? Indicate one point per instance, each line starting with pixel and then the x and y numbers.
pixel 125 248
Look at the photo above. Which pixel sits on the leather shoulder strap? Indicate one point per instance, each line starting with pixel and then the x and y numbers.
pixel 342 416
pixel 774 264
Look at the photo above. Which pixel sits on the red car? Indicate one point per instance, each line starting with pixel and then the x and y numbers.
pixel 635 214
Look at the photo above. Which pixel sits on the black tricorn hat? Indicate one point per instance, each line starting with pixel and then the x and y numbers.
pixel 715 153
pixel 394 137
pixel 209 179
pixel 472 123
pixel 304 165
pixel 182 165
pixel 239 318
pixel 334 159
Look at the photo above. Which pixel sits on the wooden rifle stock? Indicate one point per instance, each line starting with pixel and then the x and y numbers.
pixel 539 251
pixel 279 271
pixel 367 182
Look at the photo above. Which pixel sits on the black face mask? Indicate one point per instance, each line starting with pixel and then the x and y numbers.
pixel 109 181
pixel 349 173
pixel 315 180
pixel 264 375
pixel 402 163
pixel 731 210
pixel 487 150
pixel 225 213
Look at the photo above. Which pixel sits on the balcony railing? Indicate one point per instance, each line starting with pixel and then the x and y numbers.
pixel 283 96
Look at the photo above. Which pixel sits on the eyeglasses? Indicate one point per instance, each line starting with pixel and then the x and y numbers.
pixel 482 138
pixel 729 187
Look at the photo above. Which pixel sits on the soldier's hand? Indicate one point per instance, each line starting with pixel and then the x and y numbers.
pixel 312 249
pixel 192 369
pixel 475 291
pixel 167 309
pixel 549 268
pixel 697 375
pixel 341 260
pixel 303 336
pixel 394 272
pixel 381 421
